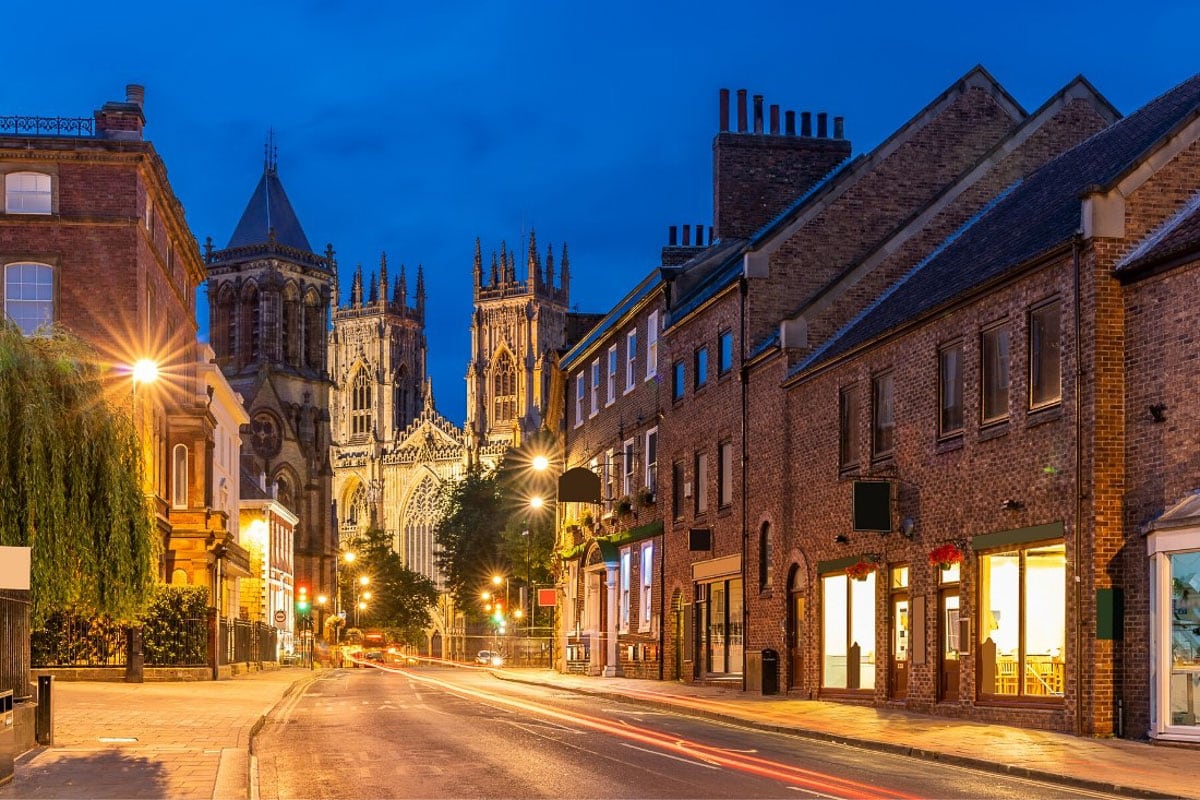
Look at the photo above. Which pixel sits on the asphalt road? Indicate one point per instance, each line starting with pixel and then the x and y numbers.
pixel 430 732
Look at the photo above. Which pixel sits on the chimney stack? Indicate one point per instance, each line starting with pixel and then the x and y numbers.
pixel 723 122
pixel 790 123
pixel 687 235
pixel 806 123
pixel 135 93
pixel 822 125
pixel 672 236
pixel 741 110
pixel 758 113
pixel 122 120
pixel 774 119
pixel 839 131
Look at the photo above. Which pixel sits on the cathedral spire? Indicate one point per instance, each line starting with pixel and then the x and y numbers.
pixel 495 275
pixel 420 292
pixel 533 267
pixel 356 287
pixel 400 297
pixel 373 298
pixel 427 405
pixel 510 273
pixel 383 278
pixel 565 283
pixel 333 267
pixel 478 266
pixel 550 266
pixel 503 261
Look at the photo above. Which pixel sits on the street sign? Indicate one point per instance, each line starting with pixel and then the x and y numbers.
pixel 546 597
pixel 280 616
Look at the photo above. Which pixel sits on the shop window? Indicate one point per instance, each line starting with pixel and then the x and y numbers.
pixel 719 616
pixel 950 417
pixel 1045 356
pixel 848 632
pixel 1022 625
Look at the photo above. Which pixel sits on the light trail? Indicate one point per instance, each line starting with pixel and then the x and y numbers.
pixel 740 761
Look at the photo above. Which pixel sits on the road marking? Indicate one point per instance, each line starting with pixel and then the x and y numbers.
pixel 117 739
pixel 668 755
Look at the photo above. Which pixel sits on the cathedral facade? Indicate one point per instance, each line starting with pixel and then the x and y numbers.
pixel 269 300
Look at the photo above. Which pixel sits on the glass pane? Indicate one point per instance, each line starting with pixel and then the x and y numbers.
pixel 716 627
pixel 734 627
pixel 900 577
pixel 833 631
pixel 848 412
pixel 1185 637
pixel 900 630
pixel 995 373
pixel 950 643
pixel 950 380
pixel 999 592
pixel 1044 360
pixel 862 629
pixel 882 409
pixel 950 575
pixel 1045 588
pixel 701 366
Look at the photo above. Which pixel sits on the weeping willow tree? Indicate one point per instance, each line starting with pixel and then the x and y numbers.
pixel 71 479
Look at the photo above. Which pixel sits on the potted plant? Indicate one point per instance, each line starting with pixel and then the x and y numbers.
pixel 588 521
pixel 945 556
pixel 860 569
pixel 623 507
pixel 645 497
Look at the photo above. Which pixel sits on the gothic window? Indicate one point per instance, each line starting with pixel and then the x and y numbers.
pixel 289 330
pixel 224 326
pixel 402 400
pixel 504 389
pixel 314 332
pixel 249 343
pixel 421 517
pixel 284 493
pixel 360 403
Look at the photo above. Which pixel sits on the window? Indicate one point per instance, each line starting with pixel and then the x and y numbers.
pixel 848 426
pixel 29 295
pixel 950 416
pixel 624 618
pixel 677 387
pixel 651 345
pixel 993 358
pixel 701 367
pixel 848 632
pixel 884 426
pixel 724 474
pixel 627 470
pixel 579 394
pixel 677 495
pixel 1022 626
pixel 724 353
pixel 179 473
pixel 701 496
pixel 719 620
pixel 504 389
pixel 360 403
pixel 612 376
pixel 1045 357
pixel 630 360
pixel 595 387
pixel 27 193
pixel 764 557
pixel 651 472
pixel 646 598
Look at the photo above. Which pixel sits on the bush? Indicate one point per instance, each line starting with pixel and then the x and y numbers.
pixel 175 626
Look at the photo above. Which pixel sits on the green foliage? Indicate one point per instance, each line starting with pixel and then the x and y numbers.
pixel 175 626
pixel 400 598
pixel 469 534
pixel 71 480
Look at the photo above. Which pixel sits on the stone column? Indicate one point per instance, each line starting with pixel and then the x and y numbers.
pixel 611 662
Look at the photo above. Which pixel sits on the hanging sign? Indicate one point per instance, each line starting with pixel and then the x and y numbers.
pixel 14 567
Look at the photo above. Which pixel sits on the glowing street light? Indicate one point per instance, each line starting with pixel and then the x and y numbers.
pixel 145 371
pixel 536 502
pixel 541 463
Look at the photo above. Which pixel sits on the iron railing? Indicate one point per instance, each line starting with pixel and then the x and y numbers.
pixel 14 643
pixel 186 646
pixel 243 641
pixel 23 125
pixel 71 641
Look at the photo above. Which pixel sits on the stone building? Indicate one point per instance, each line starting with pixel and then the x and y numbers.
pixel 269 299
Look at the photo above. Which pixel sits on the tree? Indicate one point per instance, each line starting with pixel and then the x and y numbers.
pixel 71 479
pixel 400 598
pixel 469 534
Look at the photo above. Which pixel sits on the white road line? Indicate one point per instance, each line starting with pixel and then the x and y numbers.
pixel 668 755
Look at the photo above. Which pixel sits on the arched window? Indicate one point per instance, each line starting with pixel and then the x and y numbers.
pixel 314 332
pixel 421 517
pixel 360 403
pixel 179 476
pixel 764 556
pixel 27 193
pixel 29 295
pixel 289 329
pixel 248 344
pixel 401 400
pixel 224 324
pixel 504 389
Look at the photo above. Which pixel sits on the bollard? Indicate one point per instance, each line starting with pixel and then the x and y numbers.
pixel 43 722
pixel 134 657
pixel 8 744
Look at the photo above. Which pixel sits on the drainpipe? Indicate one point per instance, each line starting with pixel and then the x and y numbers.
pixel 1077 544
pixel 744 376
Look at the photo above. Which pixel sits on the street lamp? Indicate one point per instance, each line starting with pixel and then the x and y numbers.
pixel 360 596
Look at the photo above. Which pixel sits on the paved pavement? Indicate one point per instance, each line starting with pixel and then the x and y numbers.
pixel 191 740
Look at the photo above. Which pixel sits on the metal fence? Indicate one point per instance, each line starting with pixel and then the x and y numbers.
pixel 14 636
pixel 70 641
pixel 242 641
pixel 185 646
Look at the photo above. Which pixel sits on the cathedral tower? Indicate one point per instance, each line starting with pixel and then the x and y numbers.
pixel 269 298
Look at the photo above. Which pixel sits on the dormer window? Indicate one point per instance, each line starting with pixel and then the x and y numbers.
pixel 27 193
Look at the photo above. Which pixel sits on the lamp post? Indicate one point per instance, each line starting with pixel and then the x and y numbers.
pixel 361 596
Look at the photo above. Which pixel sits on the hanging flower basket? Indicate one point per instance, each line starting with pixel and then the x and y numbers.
pixel 860 570
pixel 945 556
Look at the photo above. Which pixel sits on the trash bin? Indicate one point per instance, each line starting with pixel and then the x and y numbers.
pixel 8 738
pixel 770 672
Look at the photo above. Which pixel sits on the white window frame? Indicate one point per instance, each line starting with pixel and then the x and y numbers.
pixel 627 469
pixel 28 193
pixel 630 360
pixel 652 345
pixel 580 392
pixel 179 476
pixel 624 599
pixel 20 282
pixel 646 598
pixel 595 387
pixel 611 396
pixel 650 471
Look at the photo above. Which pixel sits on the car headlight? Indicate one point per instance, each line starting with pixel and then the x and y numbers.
pixel 497 661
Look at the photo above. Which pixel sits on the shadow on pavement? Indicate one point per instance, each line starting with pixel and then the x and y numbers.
pixel 102 774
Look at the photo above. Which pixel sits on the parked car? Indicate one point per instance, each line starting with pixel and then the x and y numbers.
pixel 489 658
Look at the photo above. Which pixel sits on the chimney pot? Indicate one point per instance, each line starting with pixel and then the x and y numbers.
pixel 806 123
pixel 135 93
pixel 822 125
pixel 687 235
pixel 723 113
pixel 839 127
pixel 790 123
pixel 672 235
pixel 710 227
pixel 741 110
pixel 758 113
pixel 700 235
pixel 774 119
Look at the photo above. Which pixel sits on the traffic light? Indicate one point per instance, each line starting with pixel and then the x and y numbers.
pixel 498 613
pixel 302 599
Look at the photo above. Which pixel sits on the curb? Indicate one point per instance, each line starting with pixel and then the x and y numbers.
pixel 924 754
pixel 260 721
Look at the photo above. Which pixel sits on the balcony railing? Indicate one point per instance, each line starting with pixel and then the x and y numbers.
pixel 47 126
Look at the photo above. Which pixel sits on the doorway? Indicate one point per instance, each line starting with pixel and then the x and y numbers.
pixel 677 636
pixel 948 617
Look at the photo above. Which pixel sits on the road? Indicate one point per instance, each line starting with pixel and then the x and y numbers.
pixel 433 732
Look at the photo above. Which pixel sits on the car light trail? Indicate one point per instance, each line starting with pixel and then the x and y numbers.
pixel 740 761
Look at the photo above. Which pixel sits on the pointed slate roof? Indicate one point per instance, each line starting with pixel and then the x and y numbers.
pixel 1030 219
pixel 269 209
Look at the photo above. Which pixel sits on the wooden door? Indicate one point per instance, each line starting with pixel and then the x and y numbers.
pixel 901 639
pixel 948 623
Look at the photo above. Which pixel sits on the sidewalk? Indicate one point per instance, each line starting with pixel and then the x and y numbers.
pixel 179 740
pixel 1113 765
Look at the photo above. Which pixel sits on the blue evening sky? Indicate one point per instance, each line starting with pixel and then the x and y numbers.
pixel 414 128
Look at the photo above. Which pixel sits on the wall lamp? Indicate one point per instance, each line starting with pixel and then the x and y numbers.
pixel 1157 412
pixel 1012 505
pixel 841 538
pixel 906 527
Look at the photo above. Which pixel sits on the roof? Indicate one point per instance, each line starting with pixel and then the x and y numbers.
pixel 267 211
pixel 1176 237
pixel 704 277
pixel 612 318
pixel 1030 219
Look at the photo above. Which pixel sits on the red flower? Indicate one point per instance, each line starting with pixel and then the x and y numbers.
pixel 860 570
pixel 946 555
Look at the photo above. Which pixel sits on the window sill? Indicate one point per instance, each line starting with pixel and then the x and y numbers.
pixel 949 444
pixel 725 511
pixel 1043 415
pixel 994 430
pixel 849 471
pixel 884 460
